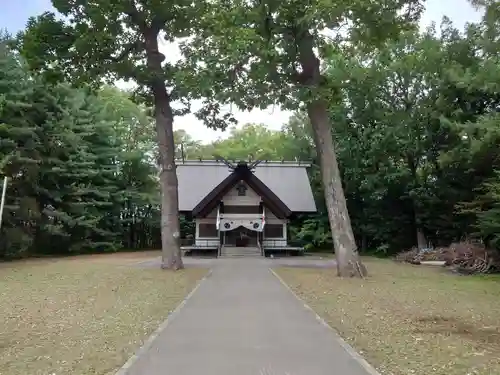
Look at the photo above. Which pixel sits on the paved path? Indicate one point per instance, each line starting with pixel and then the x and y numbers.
pixel 243 321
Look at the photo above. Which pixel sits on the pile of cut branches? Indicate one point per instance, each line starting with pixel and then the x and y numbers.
pixel 416 256
pixel 468 258
pixel 465 258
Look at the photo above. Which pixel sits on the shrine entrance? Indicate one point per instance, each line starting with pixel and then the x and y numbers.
pixel 240 237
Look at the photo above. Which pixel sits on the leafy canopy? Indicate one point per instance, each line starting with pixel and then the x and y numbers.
pixel 251 53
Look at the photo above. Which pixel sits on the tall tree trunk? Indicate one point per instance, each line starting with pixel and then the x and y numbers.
pixel 170 227
pixel 346 252
pixel 421 239
pixel 348 260
pixel 419 231
pixel 364 242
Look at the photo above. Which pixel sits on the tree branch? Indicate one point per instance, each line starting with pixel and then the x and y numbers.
pixel 127 50
pixel 307 58
pixel 136 16
pixel 236 72
pixel 157 23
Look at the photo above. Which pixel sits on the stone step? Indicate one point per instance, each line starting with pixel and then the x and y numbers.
pixel 240 252
pixel 240 256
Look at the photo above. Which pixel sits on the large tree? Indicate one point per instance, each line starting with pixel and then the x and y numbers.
pixel 113 40
pixel 265 52
pixel 391 97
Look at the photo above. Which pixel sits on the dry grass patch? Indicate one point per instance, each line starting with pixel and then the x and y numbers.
pixel 84 315
pixel 410 319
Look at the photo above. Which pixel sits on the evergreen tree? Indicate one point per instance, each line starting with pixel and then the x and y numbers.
pixel 81 172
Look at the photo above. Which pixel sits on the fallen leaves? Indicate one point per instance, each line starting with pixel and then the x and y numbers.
pixel 83 315
pixel 409 319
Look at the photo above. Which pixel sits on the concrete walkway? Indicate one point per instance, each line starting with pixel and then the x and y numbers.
pixel 243 321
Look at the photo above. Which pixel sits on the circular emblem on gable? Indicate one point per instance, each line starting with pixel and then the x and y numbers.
pixel 227 225
pixel 255 225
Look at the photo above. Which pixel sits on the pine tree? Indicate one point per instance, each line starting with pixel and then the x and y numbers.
pixel 19 147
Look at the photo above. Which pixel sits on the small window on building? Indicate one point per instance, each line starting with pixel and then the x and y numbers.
pixel 206 230
pixel 273 231
pixel 242 190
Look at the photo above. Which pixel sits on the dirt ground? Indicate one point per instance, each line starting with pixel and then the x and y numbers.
pixel 83 315
pixel 407 319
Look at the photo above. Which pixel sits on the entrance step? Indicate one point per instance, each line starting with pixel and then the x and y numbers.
pixel 233 251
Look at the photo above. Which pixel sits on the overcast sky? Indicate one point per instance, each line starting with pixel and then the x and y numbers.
pixel 15 13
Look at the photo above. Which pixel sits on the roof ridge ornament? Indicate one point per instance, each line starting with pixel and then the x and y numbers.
pixel 225 161
pixel 241 164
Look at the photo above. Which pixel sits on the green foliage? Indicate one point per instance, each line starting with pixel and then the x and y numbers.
pixel 253 54
pixel 489 217
pixel 106 41
pixel 415 117
pixel 415 135
pixel 484 209
pixel 79 175
pixel 100 39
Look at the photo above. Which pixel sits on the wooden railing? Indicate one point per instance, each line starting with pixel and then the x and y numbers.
pixel 191 242
pixel 277 243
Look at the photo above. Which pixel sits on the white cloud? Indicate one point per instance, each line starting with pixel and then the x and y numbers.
pixel 459 11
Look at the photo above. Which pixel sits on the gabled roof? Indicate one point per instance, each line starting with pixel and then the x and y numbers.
pixel 287 180
pixel 242 173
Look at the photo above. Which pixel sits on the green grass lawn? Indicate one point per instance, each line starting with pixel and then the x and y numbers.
pixel 83 315
pixel 410 319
